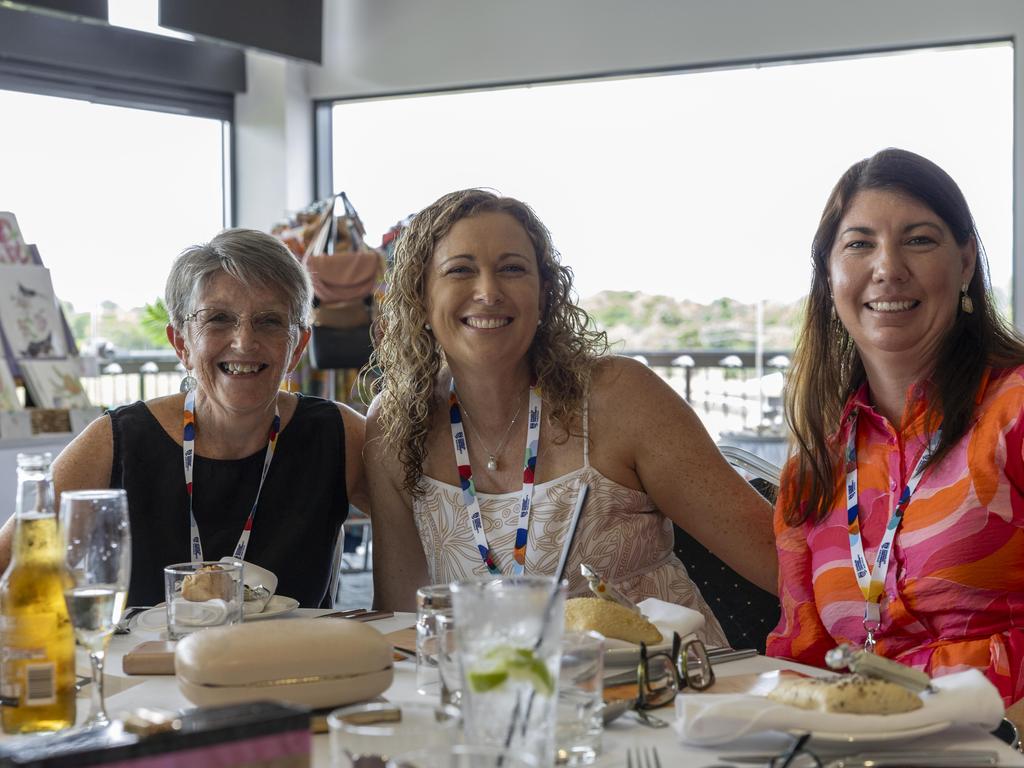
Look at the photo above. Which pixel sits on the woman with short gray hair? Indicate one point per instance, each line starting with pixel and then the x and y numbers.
pixel 272 473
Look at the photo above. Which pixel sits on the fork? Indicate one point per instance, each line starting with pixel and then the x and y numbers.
pixel 642 757
pixel 123 627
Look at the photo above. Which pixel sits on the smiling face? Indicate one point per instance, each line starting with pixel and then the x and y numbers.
pixel 483 292
pixel 895 271
pixel 239 370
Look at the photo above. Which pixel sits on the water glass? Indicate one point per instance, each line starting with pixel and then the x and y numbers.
pixel 509 635
pixel 580 689
pixel 98 551
pixel 375 731
pixel 464 756
pixel 203 594
pixel 448 661
pixel 431 601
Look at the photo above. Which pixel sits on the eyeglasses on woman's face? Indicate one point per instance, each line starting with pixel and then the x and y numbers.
pixel 662 674
pixel 215 321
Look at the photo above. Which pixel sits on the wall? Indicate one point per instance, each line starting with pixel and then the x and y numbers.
pixel 377 47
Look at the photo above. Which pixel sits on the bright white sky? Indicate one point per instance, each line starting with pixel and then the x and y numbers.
pixel 698 185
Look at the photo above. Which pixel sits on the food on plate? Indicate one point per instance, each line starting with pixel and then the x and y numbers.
pixel 211 582
pixel 848 694
pixel 610 619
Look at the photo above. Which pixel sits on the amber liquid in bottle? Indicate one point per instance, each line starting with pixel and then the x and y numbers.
pixel 37 666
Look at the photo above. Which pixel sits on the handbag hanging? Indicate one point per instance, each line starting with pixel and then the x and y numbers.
pixel 341 266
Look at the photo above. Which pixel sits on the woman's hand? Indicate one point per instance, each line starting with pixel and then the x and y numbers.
pixel 646 436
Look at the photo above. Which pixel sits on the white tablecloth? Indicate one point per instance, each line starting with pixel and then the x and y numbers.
pixel 126 692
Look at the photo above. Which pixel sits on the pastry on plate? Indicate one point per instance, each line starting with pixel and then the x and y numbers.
pixel 211 582
pixel 610 619
pixel 846 694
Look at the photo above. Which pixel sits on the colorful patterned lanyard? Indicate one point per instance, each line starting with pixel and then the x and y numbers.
pixel 188 446
pixel 469 488
pixel 872 582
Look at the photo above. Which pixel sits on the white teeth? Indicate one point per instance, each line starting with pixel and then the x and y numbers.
pixel 891 306
pixel 235 368
pixel 487 322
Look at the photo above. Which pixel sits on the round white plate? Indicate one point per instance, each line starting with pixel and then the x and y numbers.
pixel 155 619
pixel 873 735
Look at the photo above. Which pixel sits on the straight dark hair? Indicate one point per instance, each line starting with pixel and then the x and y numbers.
pixel 827 368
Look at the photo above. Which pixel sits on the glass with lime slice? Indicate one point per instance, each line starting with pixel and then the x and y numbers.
pixel 509 633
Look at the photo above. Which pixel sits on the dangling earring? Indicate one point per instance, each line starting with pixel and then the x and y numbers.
pixel 189 383
pixel 966 304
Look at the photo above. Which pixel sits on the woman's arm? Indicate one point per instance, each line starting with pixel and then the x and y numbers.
pixel 399 566
pixel 83 465
pixel 645 429
pixel 355 474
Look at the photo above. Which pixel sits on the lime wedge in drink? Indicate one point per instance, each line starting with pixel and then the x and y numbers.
pixel 505 663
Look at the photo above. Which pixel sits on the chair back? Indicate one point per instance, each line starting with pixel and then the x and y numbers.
pixel 746 612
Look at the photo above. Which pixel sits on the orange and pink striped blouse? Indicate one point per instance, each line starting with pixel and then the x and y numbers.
pixel 954 593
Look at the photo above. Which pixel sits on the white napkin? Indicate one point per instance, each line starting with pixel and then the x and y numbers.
pixel 204 613
pixel 255 576
pixel 708 718
pixel 669 617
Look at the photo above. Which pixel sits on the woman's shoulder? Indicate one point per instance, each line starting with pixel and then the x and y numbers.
pixel 165 411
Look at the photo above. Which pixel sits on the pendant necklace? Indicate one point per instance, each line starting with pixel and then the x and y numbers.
pixel 492 456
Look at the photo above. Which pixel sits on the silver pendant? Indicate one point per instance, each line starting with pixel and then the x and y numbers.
pixel 188 383
pixel 492 463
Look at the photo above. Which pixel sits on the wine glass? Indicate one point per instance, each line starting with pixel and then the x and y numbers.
pixel 98 553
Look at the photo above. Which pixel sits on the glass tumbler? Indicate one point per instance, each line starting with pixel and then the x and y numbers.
pixel 431 601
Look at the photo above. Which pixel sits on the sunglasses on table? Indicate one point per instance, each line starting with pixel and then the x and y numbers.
pixel 660 675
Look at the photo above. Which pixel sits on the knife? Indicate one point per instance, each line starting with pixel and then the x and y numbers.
pixel 908 758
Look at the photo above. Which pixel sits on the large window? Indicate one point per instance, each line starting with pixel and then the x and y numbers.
pixel 110 195
pixel 693 186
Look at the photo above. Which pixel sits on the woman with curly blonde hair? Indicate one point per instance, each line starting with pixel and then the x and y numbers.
pixel 498 410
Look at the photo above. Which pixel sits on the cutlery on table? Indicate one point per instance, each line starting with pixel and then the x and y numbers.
pixel 358 614
pixel 909 758
pixel 642 757
pixel 123 627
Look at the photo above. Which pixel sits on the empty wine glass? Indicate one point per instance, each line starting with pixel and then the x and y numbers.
pixel 98 553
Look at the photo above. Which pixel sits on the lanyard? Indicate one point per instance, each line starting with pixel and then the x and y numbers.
pixel 469 498
pixel 872 582
pixel 188 446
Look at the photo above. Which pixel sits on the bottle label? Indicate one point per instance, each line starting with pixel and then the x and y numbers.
pixel 28 674
pixel 40 684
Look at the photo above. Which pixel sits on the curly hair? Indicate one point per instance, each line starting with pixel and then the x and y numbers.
pixel 409 362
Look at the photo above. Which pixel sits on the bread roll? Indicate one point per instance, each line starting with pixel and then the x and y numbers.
pixel 848 694
pixel 210 582
pixel 610 619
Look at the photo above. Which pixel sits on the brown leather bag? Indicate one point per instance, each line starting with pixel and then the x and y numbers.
pixel 344 276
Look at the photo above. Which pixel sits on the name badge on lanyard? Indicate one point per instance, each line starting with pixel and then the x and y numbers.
pixel 872 581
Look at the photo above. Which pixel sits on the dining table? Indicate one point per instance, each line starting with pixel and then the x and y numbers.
pixel 128 692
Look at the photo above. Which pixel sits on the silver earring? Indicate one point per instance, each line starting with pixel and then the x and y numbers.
pixel 428 326
pixel 966 304
pixel 189 383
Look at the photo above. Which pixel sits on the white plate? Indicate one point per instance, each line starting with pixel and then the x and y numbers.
pixel 874 735
pixel 155 619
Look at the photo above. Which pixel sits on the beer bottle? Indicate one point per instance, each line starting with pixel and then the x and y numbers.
pixel 37 665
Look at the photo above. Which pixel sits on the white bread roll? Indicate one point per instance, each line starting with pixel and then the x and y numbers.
pixel 610 619
pixel 847 694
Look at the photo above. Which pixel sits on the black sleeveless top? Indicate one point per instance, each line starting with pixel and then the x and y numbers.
pixel 301 509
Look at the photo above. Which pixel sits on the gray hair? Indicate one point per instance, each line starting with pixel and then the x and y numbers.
pixel 253 258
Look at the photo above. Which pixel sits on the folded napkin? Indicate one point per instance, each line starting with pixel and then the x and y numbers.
pixel 669 617
pixel 204 613
pixel 964 698
pixel 261 582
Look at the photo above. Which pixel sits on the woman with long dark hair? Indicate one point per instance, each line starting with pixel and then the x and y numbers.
pixel 899 520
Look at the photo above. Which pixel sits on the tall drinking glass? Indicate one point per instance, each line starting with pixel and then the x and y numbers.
pixel 509 634
pixel 98 552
